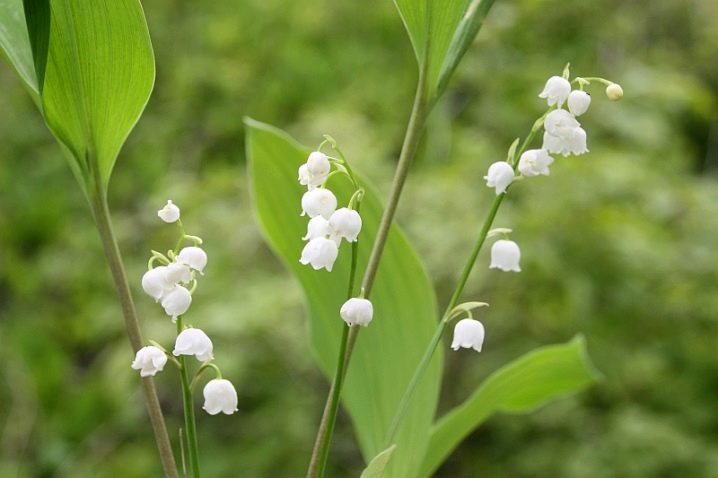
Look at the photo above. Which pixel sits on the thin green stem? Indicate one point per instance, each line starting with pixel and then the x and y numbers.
pixel 453 302
pixel 318 462
pixel 189 420
pixel 98 203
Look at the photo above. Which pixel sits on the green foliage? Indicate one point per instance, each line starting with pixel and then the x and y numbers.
pixel 15 44
pixel 404 305
pixel 377 467
pixel 93 67
pixel 519 387
pixel 441 31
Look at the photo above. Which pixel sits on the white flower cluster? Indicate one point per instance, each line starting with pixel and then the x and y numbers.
pixel 563 133
pixel 171 284
pixel 327 224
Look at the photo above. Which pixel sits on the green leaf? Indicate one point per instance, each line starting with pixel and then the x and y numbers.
pixel 519 387
pixel 388 350
pixel 441 31
pixel 95 69
pixel 377 466
pixel 15 44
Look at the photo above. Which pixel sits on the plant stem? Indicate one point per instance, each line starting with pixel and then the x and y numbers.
pixel 453 302
pixel 189 420
pixel 443 323
pixel 98 203
pixel 318 462
pixel 420 110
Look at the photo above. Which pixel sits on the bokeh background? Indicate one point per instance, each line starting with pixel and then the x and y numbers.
pixel 619 244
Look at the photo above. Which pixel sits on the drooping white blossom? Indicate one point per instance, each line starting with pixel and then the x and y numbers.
pixel 176 301
pixel 578 102
pixel 155 283
pixel 535 162
pixel 193 342
pixel 169 213
pixel 499 176
pixel 149 360
pixel 194 257
pixel 219 396
pixel 556 91
pixel 563 134
pixel 176 272
pixel 560 123
pixel 357 311
pixel 469 334
pixel 346 223
pixel 614 92
pixel 318 164
pixel 319 202
pixel 320 252
pixel 317 227
pixel 505 255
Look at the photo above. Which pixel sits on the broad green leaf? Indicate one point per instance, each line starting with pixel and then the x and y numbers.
pixel 376 467
pixel 441 31
pixel 519 387
pixel 98 75
pixel 388 350
pixel 15 44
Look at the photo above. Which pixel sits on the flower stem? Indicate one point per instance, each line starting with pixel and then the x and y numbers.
pixel 453 302
pixel 188 406
pixel 98 203
pixel 421 108
pixel 318 462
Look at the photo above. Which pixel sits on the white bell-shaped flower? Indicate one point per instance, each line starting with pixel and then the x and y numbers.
pixel 308 179
pixel 535 162
pixel 318 164
pixel 556 91
pixel 177 272
pixel 219 396
pixel 560 123
pixel 577 142
pixel 176 301
pixel 317 227
pixel 614 92
pixel 469 334
pixel 346 223
pixel 499 176
pixel 169 213
pixel 319 202
pixel 149 360
pixel 357 311
pixel 194 257
pixel 505 255
pixel 194 342
pixel 578 102
pixel 320 252
pixel 155 283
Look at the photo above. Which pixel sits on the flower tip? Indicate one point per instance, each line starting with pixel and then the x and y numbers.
pixel 614 92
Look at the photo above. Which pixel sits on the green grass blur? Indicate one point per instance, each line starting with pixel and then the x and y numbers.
pixel 619 244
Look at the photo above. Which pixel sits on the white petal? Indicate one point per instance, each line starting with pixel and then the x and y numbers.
pixel 578 102
pixel 357 311
pixel 169 213
pixel 505 255
pixel 194 257
pixel 220 396
pixel 468 333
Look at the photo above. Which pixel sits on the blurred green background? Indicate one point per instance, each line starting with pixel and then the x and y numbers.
pixel 619 244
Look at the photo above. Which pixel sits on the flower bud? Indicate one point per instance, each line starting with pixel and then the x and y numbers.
pixel 614 92
pixel 317 227
pixel 505 255
pixel 357 311
pixel 193 257
pixel 319 202
pixel 346 223
pixel 219 396
pixel 193 342
pixel 500 175
pixel 578 102
pixel 169 213
pixel 318 164
pixel 149 360
pixel 535 162
pixel 469 334
pixel 556 91
pixel 320 252
pixel 176 301
pixel 155 283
